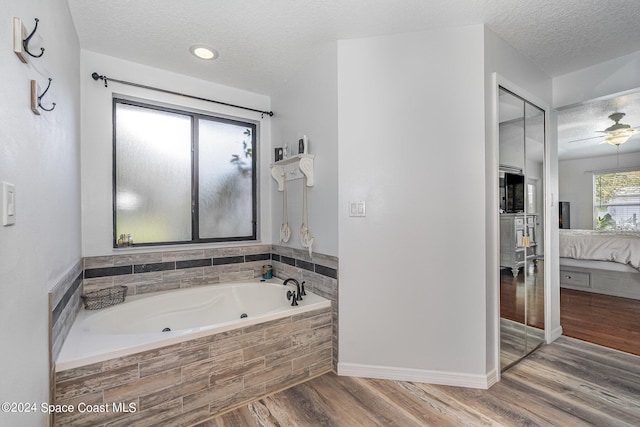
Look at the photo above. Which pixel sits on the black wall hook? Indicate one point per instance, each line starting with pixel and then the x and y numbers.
pixel 36 99
pixel 53 104
pixel 25 42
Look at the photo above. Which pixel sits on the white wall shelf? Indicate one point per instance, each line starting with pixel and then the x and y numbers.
pixel 294 167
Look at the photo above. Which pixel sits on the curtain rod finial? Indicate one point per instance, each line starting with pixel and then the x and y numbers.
pixel 97 76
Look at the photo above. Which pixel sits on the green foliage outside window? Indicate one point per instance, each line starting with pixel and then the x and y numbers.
pixel 617 200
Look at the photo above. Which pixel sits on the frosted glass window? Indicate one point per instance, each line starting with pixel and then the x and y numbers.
pixel 182 177
pixel 225 180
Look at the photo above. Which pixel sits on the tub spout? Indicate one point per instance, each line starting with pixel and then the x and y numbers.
pixel 298 288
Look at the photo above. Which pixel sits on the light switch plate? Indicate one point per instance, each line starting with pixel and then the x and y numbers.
pixel 357 208
pixel 8 204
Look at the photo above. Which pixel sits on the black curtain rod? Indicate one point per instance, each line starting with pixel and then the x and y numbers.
pixel 106 79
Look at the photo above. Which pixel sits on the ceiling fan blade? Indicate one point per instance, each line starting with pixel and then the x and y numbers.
pixel 584 139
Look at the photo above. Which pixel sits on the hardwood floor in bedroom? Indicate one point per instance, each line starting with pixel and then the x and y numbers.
pixel 600 319
pixel 566 383
pixel 609 321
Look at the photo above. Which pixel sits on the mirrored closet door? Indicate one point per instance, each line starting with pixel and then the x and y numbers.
pixel 521 136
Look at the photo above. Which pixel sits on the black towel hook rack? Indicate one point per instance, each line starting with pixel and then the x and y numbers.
pixel 36 98
pixel 53 104
pixel 25 42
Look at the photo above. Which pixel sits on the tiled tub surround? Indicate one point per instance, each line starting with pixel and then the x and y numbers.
pixel 189 382
pixel 64 302
pixel 320 272
pixel 160 271
pixel 149 321
pixel 184 377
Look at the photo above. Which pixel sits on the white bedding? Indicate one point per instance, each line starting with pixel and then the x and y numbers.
pixel 617 246
pixel 568 263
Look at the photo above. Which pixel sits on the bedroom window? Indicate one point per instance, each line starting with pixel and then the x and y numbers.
pixel 616 200
pixel 181 177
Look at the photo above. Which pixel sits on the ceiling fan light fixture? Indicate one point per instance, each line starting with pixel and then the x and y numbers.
pixel 617 140
pixel 619 133
pixel 619 137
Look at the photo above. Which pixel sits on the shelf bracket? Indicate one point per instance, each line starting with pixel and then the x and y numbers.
pixel 291 168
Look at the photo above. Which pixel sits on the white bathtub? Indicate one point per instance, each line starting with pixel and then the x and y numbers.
pixel 137 324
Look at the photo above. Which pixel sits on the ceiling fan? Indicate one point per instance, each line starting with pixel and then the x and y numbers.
pixel 616 134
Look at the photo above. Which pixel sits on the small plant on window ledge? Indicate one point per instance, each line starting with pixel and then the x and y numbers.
pixel 606 223
pixel 125 240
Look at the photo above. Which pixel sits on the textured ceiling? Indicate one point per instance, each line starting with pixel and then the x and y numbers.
pixel 580 127
pixel 262 42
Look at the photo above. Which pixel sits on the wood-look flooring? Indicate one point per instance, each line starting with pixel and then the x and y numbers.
pixel 516 342
pixel 566 383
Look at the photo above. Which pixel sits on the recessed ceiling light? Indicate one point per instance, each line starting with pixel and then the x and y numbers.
pixel 203 52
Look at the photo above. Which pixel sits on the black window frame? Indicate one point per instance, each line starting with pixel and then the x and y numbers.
pixel 195 211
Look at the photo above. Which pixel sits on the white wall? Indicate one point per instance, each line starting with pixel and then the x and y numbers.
pixel 576 183
pixel 617 75
pixel 97 210
pixel 411 144
pixel 40 156
pixel 306 105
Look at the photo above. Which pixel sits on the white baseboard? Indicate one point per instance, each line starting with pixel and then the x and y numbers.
pixel 493 377
pixel 418 375
pixel 555 334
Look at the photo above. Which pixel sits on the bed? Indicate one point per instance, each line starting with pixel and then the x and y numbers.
pixel 605 262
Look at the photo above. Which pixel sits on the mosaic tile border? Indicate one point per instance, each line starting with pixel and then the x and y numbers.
pixel 306 265
pixel 93 273
pixel 149 267
pixel 63 305
pixel 57 311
